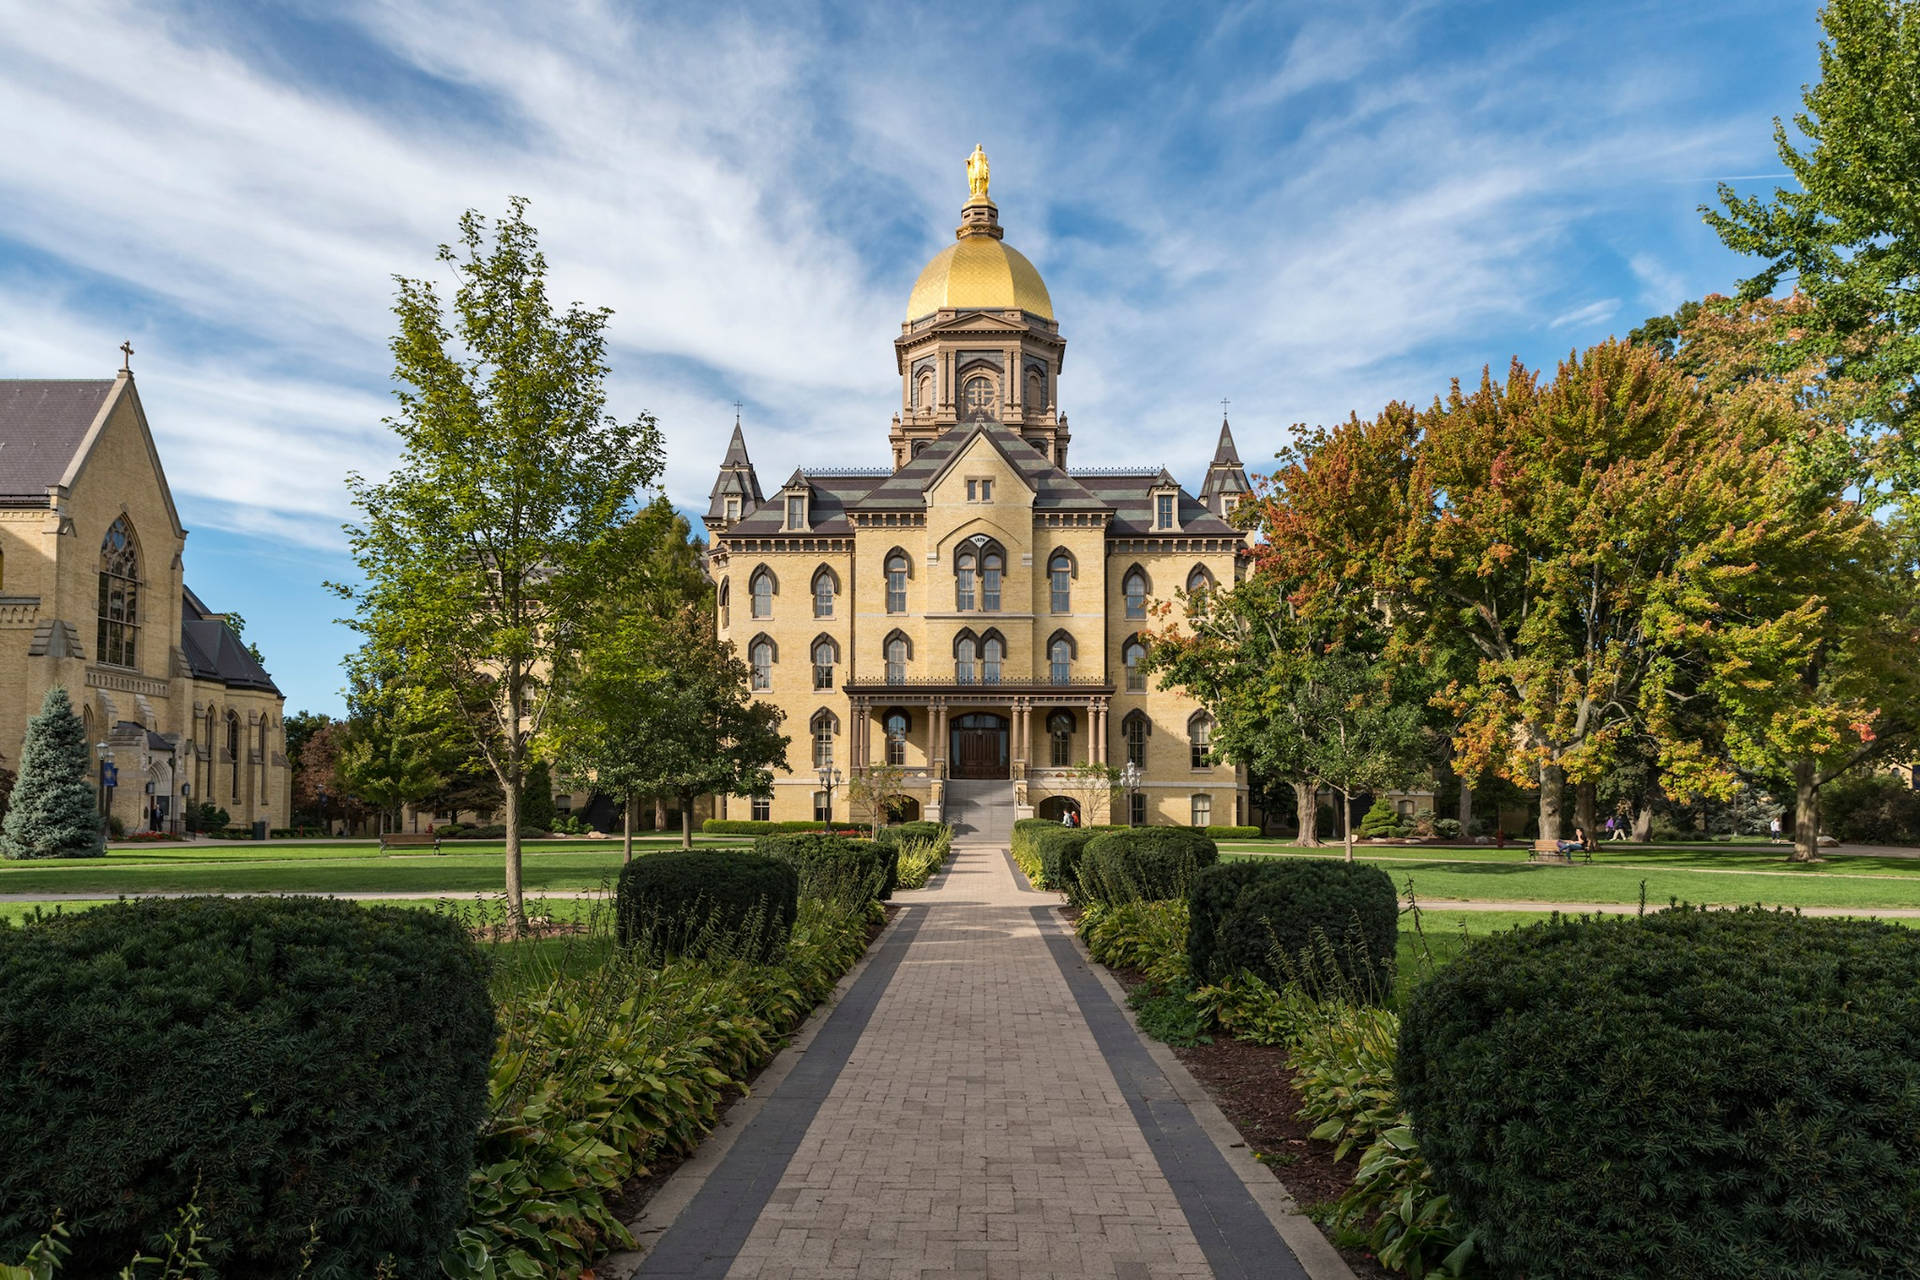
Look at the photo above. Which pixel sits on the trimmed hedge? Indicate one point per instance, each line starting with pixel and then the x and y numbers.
pixel 833 866
pixel 1312 912
pixel 691 902
pixel 1058 850
pixel 1233 833
pixel 310 1065
pixel 1150 864
pixel 1696 1093
pixel 746 827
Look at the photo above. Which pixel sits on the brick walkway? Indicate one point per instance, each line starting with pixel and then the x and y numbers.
pixel 970 1118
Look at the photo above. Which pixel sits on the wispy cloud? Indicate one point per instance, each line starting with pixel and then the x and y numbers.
pixel 1593 313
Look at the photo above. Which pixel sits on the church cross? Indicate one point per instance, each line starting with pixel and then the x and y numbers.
pixel 126 360
pixel 1224 402
pixel 737 406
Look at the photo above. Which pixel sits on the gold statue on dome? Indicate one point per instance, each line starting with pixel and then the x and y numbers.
pixel 977 173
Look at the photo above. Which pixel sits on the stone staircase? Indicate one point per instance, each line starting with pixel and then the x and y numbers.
pixel 980 812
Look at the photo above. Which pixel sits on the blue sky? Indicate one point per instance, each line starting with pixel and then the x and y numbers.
pixel 1307 208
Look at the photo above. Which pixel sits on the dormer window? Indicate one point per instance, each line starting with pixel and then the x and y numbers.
pixel 733 508
pixel 796 511
pixel 1163 510
pixel 1227 503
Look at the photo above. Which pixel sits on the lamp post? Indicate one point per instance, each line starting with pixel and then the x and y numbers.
pixel 829 779
pixel 1130 782
pixel 186 808
pixel 105 752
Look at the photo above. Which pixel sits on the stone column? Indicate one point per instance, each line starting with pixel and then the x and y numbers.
pixel 938 747
pixel 1013 381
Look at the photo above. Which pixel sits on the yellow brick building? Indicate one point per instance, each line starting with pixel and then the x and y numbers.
pixel 93 597
pixel 972 611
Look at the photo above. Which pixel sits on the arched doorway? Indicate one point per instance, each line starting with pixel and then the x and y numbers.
pixel 1054 808
pixel 979 742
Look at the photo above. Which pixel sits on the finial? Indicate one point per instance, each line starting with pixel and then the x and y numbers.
pixel 126 358
pixel 1223 408
pixel 977 174
pixel 736 414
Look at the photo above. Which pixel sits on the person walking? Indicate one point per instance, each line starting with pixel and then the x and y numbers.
pixel 1773 829
pixel 1616 829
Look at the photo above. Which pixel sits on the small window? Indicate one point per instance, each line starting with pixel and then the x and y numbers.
pixel 1060 575
pixel 1200 741
pixel 726 606
pixel 822 809
pixel 1229 504
pixel 823 741
pixel 991 567
pixel 963 570
pixel 991 653
pixel 1202 811
pixel 986 491
pixel 1060 661
pixel 896 661
pixel 897 725
pixel 1136 734
pixel 1060 739
pixel 1163 510
pixel 796 511
pixel 762 809
pixel 973 491
pixel 963 661
pixel 1133 655
pixel 760 656
pixel 1137 809
pixel 823 594
pixel 1199 580
pixel 823 659
pixel 733 508
pixel 896 583
pixel 1136 592
pixel 762 594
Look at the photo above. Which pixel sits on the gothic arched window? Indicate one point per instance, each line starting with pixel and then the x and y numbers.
pixel 726 604
pixel 1060 581
pixel 898 651
pixel 991 566
pixel 825 654
pixel 963 656
pixel 1060 659
pixel 824 727
pixel 1134 729
pixel 1135 587
pixel 1200 741
pixel 762 586
pixel 897 582
pixel 1060 727
pixel 117 641
pixel 1199 580
pixel 992 652
pixel 760 658
pixel 233 749
pixel 964 566
pixel 896 725
pixel 978 398
pixel 824 587
pixel 1133 654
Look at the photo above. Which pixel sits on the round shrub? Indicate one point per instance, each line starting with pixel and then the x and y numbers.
pixel 1317 920
pixel 311 1066
pixel 696 902
pixel 1714 1094
pixel 1060 849
pixel 1151 864
pixel 837 868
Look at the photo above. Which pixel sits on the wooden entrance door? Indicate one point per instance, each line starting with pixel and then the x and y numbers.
pixel 979 746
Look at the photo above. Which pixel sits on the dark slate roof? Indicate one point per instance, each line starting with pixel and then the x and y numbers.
pixel 1130 494
pixel 1052 487
pixel 214 652
pixel 1224 453
pixel 42 424
pixel 831 496
pixel 737 479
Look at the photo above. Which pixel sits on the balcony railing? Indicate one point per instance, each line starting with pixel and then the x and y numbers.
pixel 948 681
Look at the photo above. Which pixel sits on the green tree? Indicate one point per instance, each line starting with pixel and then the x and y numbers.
pixel 385 767
pixel 53 812
pixel 511 515
pixel 1849 237
pixel 875 791
pixel 537 809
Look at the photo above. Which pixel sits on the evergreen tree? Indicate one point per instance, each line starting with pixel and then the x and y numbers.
pixel 53 813
pixel 536 798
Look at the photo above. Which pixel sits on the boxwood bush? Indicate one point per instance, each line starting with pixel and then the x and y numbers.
pixel 835 867
pixel 1234 833
pixel 1297 918
pixel 1149 864
pixel 747 827
pixel 693 902
pixel 1696 1093
pixel 294 1066
pixel 1057 849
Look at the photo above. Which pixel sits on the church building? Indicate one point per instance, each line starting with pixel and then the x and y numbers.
pixel 974 610
pixel 93 597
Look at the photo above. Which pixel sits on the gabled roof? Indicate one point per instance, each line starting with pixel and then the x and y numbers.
pixel 43 423
pixel 213 652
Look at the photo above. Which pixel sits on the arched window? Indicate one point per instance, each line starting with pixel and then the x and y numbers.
pixel 1060 725
pixel 1200 740
pixel 1199 580
pixel 117 641
pixel 963 658
pixel 963 571
pixel 898 651
pixel 824 587
pixel 825 654
pixel 978 398
pixel 1060 658
pixel 760 657
pixel 993 651
pixel 1036 390
pixel 3 570
pixel 762 585
pixel 1202 810
pixel 1060 580
pixel 824 726
pixel 1133 653
pixel 233 749
pixel 1134 729
pixel 897 582
pixel 1135 587
pixel 991 565
pixel 896 725
pixel 923 390
pixel 726 608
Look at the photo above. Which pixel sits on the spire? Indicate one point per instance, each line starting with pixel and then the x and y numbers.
pixel 1224 453
pixel 1227 484
pixel 736 491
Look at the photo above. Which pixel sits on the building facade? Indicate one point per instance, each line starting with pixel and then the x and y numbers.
pixel 975 609
pixel 93 597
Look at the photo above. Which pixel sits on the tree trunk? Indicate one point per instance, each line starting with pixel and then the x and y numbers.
pixel 1806 813
pixel 516 897
pixel 1552 777
pixel 626 826
pixel 1586 807
pixel 686 822
pixel 1643 824
pixel 1308 805
pixel 1346 822
pixel 1466 808
pixel 660 813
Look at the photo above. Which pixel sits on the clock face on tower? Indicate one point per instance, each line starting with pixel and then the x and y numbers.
pixel 978 398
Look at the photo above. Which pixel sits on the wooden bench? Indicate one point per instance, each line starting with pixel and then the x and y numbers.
pixel 409 840
pixel 1549 850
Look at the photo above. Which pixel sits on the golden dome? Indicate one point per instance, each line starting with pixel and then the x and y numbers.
pixel 978 272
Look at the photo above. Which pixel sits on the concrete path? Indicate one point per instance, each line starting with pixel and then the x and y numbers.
pixel 977 1103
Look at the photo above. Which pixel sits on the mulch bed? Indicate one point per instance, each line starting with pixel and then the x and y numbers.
pixel 1252 1084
